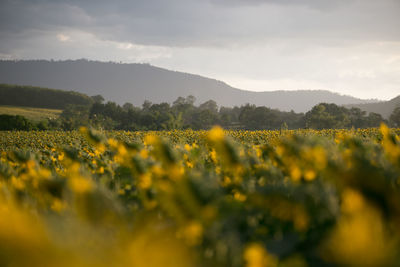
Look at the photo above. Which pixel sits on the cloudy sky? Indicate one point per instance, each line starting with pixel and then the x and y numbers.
pixel 347 46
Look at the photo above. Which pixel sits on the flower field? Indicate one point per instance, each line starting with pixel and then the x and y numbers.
pixel 200 198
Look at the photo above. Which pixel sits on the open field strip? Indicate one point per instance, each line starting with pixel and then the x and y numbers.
pixel 35 114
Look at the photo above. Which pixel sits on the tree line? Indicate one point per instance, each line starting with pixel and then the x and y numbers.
pixel 184 114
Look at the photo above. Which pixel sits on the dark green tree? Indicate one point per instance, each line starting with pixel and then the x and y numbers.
pixel 10 122
pixel 74 116
pixel 395 117
pixel 357 118
pixel 374 119
pixel 98 99
pixel 127 106
pixel 327 116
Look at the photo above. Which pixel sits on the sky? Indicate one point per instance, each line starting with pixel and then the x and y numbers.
pixel 347 46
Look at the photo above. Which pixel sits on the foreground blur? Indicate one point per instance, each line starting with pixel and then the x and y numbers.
pixel 198 198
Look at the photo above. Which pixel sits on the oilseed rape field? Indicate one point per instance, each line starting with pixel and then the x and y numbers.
pixel 200 198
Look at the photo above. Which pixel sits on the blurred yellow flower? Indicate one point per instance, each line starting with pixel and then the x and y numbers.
pixel 216 134
pixel 80 184
pixel 256 255
pixel 145 181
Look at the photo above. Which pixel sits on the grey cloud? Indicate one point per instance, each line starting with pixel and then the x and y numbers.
pixel 17 16
pixel 285 44
pixel 207 23
pixel 313 4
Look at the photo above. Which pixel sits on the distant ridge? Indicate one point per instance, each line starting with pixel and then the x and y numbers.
pixel 138 82
pixel 385 108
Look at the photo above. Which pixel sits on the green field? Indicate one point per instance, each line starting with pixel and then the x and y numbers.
pixel 35 114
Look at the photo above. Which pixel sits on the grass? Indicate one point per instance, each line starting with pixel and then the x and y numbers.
pixel 35 114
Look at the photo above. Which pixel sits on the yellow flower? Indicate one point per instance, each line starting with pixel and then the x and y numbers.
pixel 58 205
pixel 176 172
pixel 189 164
pixel 43 173
pixel 145 181
pixel 216 134
pixel 150 139
pixel 352 201
pixel 100 149
pixel 187 147
pixel 295 173
pixel 193 233
pixel 61 156
pixel 256 256
pixel 113 143
pixel 213 155
pixel 121 192
pixel 151 248
pixel 309 175
pixel 361 237
pixel 17 183
pixel 218 170
pixel 384 129
pixel 101 170
pixel 122 150
pixel 144 153
pixel 80 184
pixel 239 196
pixel 30 164
pixel 83 130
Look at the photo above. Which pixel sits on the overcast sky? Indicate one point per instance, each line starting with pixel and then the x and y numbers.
pixel 347 46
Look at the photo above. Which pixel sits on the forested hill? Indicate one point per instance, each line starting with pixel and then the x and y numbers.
pixel 135 83
pixel 29 96
pixel 384 108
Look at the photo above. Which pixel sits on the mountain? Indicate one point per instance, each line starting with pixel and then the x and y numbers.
pixel 385 108
pixel 138 82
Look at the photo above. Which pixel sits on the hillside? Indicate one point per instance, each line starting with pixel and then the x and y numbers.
pixel 29 96
pixel 138 82
pixel 34 114
pixel 384 108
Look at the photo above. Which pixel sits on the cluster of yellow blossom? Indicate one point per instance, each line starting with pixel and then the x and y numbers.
pixel 194 198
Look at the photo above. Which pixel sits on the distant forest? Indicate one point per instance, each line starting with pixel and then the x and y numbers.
pixel 37 97
pixel 81 110
pixel 183 114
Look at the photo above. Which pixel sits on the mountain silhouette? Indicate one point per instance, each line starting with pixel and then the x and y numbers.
pixel 385 108
pixel 136 83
